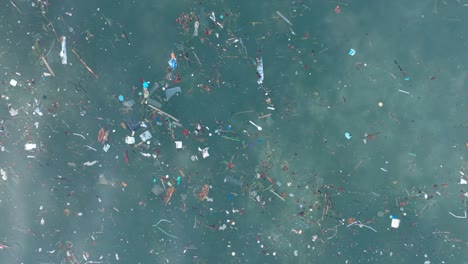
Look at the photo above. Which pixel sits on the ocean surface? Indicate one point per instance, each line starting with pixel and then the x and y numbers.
pixel 360 123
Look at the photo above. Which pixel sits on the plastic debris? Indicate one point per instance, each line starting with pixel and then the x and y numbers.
pixel 260 70
pixel 106 147
pixel 173 61
pixel 395 223
pixel 284 18
pixel 13 82
pixel 195 28
pixel 145 154
pixel 63 52
pixel 352 52
pixel 133 126
pixel 348 135
pixel 204 152
pixel 29 146
pixel 3 174
pixel 259 128
pixel 146 136
pixel 38 111
pixel 178 144
pixel 129 140
pixel 171 92
pixel 129 103
pixel 90 163
pixel 13 112
pixel 153 103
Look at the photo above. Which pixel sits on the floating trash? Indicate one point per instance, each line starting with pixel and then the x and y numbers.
pixel 171 92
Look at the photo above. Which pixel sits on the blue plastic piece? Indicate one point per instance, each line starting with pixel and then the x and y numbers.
pixel 172 63
pixel 145 85
pixel 347 135
pixel 132 126
pixel 121 98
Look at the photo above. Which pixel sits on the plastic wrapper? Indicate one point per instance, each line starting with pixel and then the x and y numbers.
pixel 260 70
pixel 63 52
pixel 171 92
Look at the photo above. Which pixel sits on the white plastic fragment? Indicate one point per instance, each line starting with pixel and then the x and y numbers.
pixel 204 152
pixel 63 52
pixel 4 176
pixel 395 223
pixel 106 147
pixel 37 111
pixel 90 163
pixel 195 28
pixel 29 146
pixel 13 82
pixel 462 181
pixel 178 144
pixel 129 140
pixel 145 154
pixel 13 112
pixel 146 136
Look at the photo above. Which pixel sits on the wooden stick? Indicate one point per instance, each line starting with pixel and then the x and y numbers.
pixel 162 112
pixel 48 66
pixel 273 192
pixel 263 116
pixel 86 65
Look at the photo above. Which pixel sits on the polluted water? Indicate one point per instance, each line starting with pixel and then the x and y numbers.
pixel 232 132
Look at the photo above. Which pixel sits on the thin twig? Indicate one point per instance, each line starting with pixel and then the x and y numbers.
pixel 86 65
pixel 273 192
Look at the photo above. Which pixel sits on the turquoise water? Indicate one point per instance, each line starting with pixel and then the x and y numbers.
pixel 299 190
